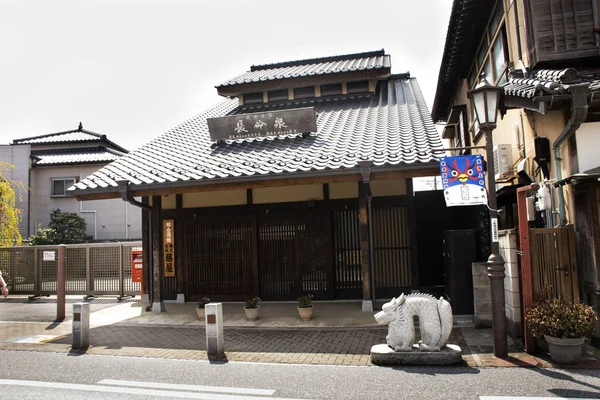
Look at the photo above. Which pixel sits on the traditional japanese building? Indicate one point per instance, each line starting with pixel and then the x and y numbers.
pixel 299 182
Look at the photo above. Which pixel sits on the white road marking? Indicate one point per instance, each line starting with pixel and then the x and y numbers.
pixel 35 339
pixel 126 390
pixel 196 388
pixel 527 398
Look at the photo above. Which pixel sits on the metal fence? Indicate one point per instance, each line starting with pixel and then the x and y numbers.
pixel 91 269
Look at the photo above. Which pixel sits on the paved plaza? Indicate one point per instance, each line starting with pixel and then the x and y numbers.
pixel 339 333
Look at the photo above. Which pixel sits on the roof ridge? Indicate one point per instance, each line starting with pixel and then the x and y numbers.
pixel 98 135
pixel 317 60
pixel 69 150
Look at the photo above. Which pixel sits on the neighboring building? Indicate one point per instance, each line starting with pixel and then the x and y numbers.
pixel 50 164
pixel 300 182
pixel 546 56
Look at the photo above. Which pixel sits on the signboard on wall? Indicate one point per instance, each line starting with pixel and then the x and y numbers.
pixel 49 255
pixel 262 124
pixel 463 180
pixel 168 248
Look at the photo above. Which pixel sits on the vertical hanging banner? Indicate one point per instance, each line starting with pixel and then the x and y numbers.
pixel 463 180
pixel 168 248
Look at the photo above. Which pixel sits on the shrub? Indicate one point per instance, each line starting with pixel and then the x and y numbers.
pixel 203 302
pixel 561 319
pixel 253 302
pixel 305 301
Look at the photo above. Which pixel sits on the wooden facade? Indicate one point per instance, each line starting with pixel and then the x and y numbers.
pixel 279 251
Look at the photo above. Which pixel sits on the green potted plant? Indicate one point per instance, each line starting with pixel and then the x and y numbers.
pixel 305 307
pixel 252 308
pixel 564 325
pixel 201 306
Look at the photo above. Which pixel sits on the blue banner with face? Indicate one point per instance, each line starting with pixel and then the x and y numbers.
pixel 463 180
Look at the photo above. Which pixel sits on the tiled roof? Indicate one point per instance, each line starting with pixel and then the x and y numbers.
pixel 311 67
pixel 467 24
pixel 71 156
pixel 547 82
pixel 61 137
pixel 390 128
pixel 78 135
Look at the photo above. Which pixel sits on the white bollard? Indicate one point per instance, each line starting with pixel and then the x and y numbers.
pixel 213 317
pixel 81 325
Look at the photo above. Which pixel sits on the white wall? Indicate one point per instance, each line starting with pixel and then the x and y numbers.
pixel 588 145
pixel 512 293
pixel 112 219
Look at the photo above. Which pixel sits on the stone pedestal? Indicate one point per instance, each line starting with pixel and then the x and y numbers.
pixel 215 345
pixel 382 354
pixel 81 325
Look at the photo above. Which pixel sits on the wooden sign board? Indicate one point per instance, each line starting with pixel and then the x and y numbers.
pixel 262 124
pixel 168 247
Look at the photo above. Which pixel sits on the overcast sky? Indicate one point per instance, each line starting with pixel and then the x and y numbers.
pixel 133 69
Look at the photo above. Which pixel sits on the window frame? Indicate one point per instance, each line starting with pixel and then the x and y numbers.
pixel 65 186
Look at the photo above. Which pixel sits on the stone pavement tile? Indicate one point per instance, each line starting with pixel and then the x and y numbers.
pixel 512 360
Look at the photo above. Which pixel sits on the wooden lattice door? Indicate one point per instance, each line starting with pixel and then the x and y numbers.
pixel 294 257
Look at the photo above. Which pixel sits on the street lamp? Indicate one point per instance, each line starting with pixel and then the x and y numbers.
pixel 485 98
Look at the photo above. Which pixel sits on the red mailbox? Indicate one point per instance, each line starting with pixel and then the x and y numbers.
pixel 136 264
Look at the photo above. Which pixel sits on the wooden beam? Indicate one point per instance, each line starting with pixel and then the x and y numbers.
pixel 180 267
pixel 156 260
pixel 363 221
pixel 235 90
pixel 381 175
pixel 146 264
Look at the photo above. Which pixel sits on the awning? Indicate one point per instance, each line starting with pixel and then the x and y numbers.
pixel 580 177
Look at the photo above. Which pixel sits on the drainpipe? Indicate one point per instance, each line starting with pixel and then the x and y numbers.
pixel 126 196
pixel 579 109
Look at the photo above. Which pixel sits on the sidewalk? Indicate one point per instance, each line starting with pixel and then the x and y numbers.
pixel 339 333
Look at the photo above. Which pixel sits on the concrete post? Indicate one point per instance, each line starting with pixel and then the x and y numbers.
pixel 81 325
pixel 61 283
pixel 214 329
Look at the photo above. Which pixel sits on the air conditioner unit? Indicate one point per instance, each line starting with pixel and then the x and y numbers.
pixel 503 160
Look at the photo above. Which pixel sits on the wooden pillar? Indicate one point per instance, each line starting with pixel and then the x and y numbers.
pixel 526 283
pixel 157 303
pixel 364 190
pixel 146 265
pixel 180 269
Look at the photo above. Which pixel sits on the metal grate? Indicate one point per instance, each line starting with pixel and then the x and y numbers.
pixel 17 268
pixel 76 270
pixel 90 269
pixel 104 265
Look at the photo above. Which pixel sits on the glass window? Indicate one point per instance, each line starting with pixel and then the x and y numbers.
pixel 358 87
pixel 275 95
pixel 328 90
pixel 304 92
pixel 482 53
pixel 488 71
pixel 60 186
pixel 256 97
pixel 498 56
pixel 496 18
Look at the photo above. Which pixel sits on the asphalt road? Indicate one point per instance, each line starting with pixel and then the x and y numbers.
pixel 39 374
